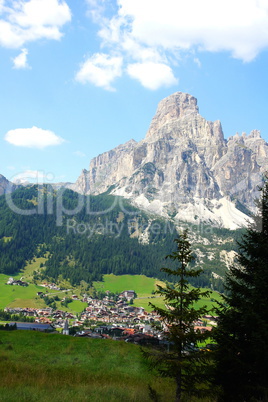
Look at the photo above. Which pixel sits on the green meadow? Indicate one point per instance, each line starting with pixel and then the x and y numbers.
pixel 32 266
pixel 144 288
pixel 49 367
pixel 116 284
pixel 76 306
pixel 18 296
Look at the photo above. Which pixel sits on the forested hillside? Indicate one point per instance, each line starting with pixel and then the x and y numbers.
pixel 86 237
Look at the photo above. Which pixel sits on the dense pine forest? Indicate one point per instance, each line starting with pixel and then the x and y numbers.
pixel 103 234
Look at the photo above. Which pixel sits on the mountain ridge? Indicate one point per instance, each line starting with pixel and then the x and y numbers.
pixel 111 237
pixel 184 168
pixel 6 186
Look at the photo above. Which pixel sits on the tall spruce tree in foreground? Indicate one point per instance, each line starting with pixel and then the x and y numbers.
pixel 179 358
pixel 242 332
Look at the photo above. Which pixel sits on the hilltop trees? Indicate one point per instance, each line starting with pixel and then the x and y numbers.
pixel 87 245
pixel 179 358
pixel 242 333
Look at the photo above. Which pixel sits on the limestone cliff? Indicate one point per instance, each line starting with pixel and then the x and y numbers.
pixel 184 168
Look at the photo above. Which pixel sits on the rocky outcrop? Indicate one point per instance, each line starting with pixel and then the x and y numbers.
pixel 107 169
pixel 184 168
pixel 6 186
pixel 240 170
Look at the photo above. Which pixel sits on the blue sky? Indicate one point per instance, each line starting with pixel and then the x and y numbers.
pixel 78 78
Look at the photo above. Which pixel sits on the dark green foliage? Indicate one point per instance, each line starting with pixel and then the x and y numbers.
pixel 153 394
pixel 242 353
pixel 100 238
pixel 181 359
pixel 98 246
pixel 26 231
pixel 6 316
pixel 66 301
pixel 8 327
pixel 50 301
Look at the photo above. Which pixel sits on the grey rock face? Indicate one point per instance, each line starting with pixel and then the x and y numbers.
pixel 184 168
pixel 240 170
pixel 6 186
pixel 108 168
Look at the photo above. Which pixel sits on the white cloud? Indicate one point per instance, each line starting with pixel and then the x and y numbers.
pixel 26 21
pixel 96 9
pixel 32 138
pixel 152 75
pixel 27 175
pixel 197 62
pixel 36 176
pixel 141 53
pixel 160 32
pixel 100 70
pixel 20 61
pixel 237 26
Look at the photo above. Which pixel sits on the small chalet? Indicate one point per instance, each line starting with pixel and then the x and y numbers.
pixel 127 294
pixel 12 281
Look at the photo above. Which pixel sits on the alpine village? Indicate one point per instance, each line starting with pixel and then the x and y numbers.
pixel 147 278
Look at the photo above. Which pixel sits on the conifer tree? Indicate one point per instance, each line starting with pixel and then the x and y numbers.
pixel 180 358
pixel 242 332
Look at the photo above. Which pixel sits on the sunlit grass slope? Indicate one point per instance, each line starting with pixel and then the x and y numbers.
pixel 19 296
pixel 50 367
pixel 144 288
pixel 116 284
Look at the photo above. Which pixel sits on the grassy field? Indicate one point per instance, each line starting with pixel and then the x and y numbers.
pixel 18 296
pixel 28 271
pixel 116 284
pixel 51 367
pixel 76 306
pixel 144 288
pixel 159 301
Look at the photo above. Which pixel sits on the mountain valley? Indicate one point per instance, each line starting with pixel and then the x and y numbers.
pixel 122 215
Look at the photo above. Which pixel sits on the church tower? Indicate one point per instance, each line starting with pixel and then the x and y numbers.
pixel 66 327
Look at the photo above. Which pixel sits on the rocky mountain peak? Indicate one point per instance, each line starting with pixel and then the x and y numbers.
pixel 184 169
pixel 176 106
pixel 255 134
